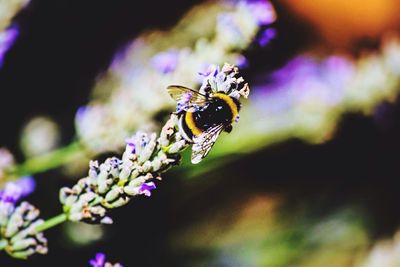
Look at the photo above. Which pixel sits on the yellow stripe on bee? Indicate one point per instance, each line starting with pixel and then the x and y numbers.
pixel 228 100
pixel 192 124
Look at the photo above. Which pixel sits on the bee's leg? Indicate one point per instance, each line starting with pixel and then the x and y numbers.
pixel 228 128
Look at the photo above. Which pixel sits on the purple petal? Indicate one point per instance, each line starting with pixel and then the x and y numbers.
pixel 211 70
pixel 99 260
pixel 130 144
pixel 146 188
pixel 7 38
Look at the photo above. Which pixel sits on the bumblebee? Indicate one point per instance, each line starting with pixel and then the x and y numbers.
pixel 202 117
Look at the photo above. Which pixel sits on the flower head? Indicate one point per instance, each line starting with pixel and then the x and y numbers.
pixel 224 80
pixel 18 230
pixel 11 193
pixel 18 223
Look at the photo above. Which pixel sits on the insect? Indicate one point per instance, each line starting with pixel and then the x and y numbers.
pixel 202 117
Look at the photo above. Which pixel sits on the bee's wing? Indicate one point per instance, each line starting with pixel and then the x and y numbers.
pixel 203 143
pixel 187 97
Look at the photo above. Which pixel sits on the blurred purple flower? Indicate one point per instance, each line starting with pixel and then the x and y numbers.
pixel 146 188
pixel 81 112
pixel 242 62
pixel 306 78
pixel 166 62
pixel 263 11
pixel 99 260
pixel 27 185
pixel 13 191
pixel 7 38
pixel 266 36
pixel 300 70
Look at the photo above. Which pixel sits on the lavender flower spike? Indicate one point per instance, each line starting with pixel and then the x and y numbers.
pixel 18 224
pixel 18 236
pixel 19 231
pixel 114 182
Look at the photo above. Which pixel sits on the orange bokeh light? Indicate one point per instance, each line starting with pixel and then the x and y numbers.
pixel 343 22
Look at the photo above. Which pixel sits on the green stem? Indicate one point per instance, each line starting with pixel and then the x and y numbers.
pixel 3 244
pixel 51 222
pixel 47 161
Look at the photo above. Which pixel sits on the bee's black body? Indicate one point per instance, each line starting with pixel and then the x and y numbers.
pixel 202 117
pixel 221 110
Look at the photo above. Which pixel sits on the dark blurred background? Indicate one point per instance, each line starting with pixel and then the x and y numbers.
pixel 65 44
